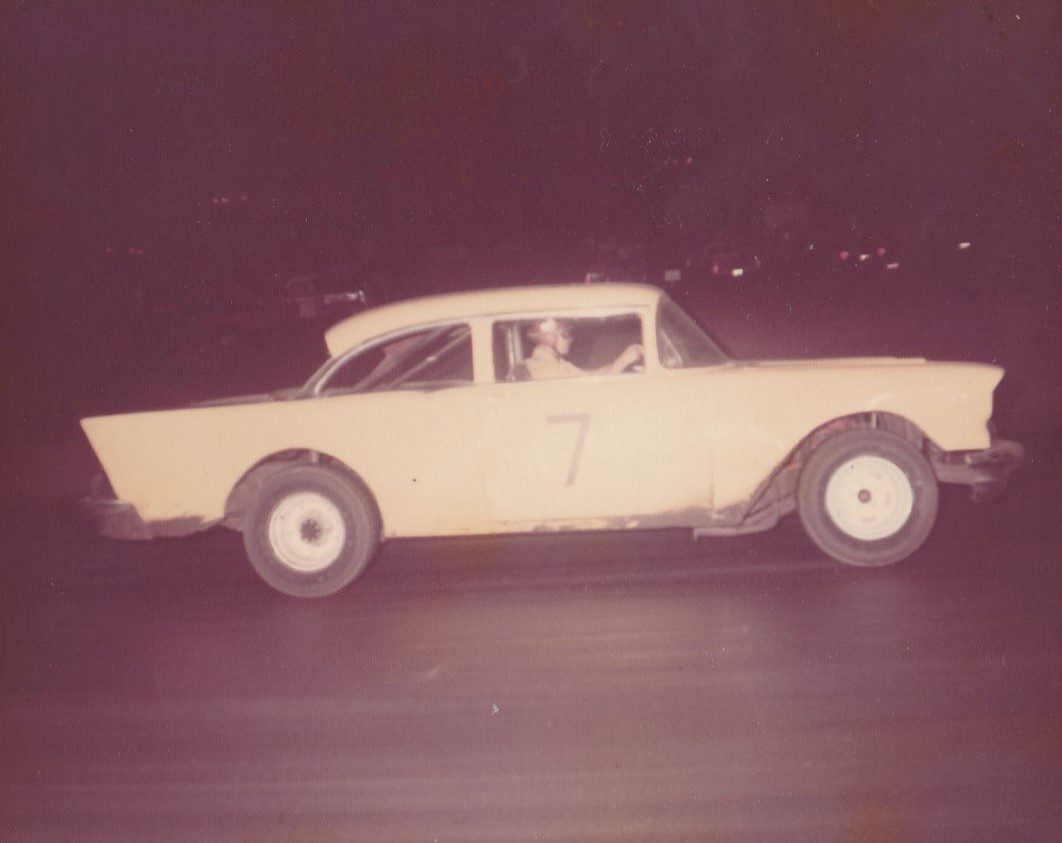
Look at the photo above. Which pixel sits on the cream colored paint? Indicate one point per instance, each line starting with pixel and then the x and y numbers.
pixel 412 449
pixel 755 414
pixel 596 447
pixel 615 450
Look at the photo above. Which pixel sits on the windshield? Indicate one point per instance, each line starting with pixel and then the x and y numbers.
pixel 683 345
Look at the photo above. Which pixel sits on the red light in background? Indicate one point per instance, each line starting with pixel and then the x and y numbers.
pixel 843 255
pixel 880 251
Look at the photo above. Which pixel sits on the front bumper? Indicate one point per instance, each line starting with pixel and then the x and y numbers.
pixel 987 472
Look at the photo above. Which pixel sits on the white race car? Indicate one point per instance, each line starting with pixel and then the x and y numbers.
pixel 424 422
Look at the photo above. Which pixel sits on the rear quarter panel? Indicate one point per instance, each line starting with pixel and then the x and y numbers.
pixel 407 447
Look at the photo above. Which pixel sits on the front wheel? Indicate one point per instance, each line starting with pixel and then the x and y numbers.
pixel 867 497
pixel 311 530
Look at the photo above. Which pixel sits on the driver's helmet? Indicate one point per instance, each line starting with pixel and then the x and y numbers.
pixel 550 327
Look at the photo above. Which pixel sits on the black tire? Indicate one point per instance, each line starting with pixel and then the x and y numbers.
pixel 302 546
pixel 874 469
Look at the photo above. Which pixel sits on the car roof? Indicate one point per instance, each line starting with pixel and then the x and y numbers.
pixel 364 326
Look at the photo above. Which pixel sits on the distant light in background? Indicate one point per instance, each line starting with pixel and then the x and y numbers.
pixel 893 265
pixel 811 247
pixel 843 255
pixel 737 272
pixel 880 252
pixel 964 245
pixel 863 257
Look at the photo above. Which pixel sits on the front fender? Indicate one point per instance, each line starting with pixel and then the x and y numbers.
pixel 762 414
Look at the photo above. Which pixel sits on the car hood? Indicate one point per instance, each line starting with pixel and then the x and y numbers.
pixel 949 401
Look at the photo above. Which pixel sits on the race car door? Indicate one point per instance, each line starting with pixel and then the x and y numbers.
pixel 606 449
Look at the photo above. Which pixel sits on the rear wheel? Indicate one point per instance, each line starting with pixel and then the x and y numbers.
pixel 311 530
pixel 867 497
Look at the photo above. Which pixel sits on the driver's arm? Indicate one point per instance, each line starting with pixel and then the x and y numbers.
pixel 628 357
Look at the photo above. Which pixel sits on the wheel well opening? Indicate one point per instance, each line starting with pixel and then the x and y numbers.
pixel 890 422
pixel 243 493
pixel 778 492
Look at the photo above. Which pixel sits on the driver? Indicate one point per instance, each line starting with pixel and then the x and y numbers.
pixel 553 341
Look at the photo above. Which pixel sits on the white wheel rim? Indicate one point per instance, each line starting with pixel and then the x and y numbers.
pixel 869 498
pixel 307 532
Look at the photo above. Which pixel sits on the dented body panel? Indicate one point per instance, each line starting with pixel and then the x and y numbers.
pixel 660 447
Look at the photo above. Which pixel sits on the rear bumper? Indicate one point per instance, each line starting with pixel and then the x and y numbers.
pixel 117 519
pixel 114 519
pixel 987 472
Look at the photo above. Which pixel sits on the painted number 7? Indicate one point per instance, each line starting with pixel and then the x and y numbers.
pixel 583 422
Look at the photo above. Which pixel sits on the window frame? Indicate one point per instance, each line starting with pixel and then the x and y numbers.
pixel 645 315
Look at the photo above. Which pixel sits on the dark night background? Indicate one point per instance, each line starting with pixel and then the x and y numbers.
pixel 169 170
pixel 172 165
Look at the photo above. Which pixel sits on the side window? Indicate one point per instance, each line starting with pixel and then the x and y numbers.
pixel 430 359
pixel 584 346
